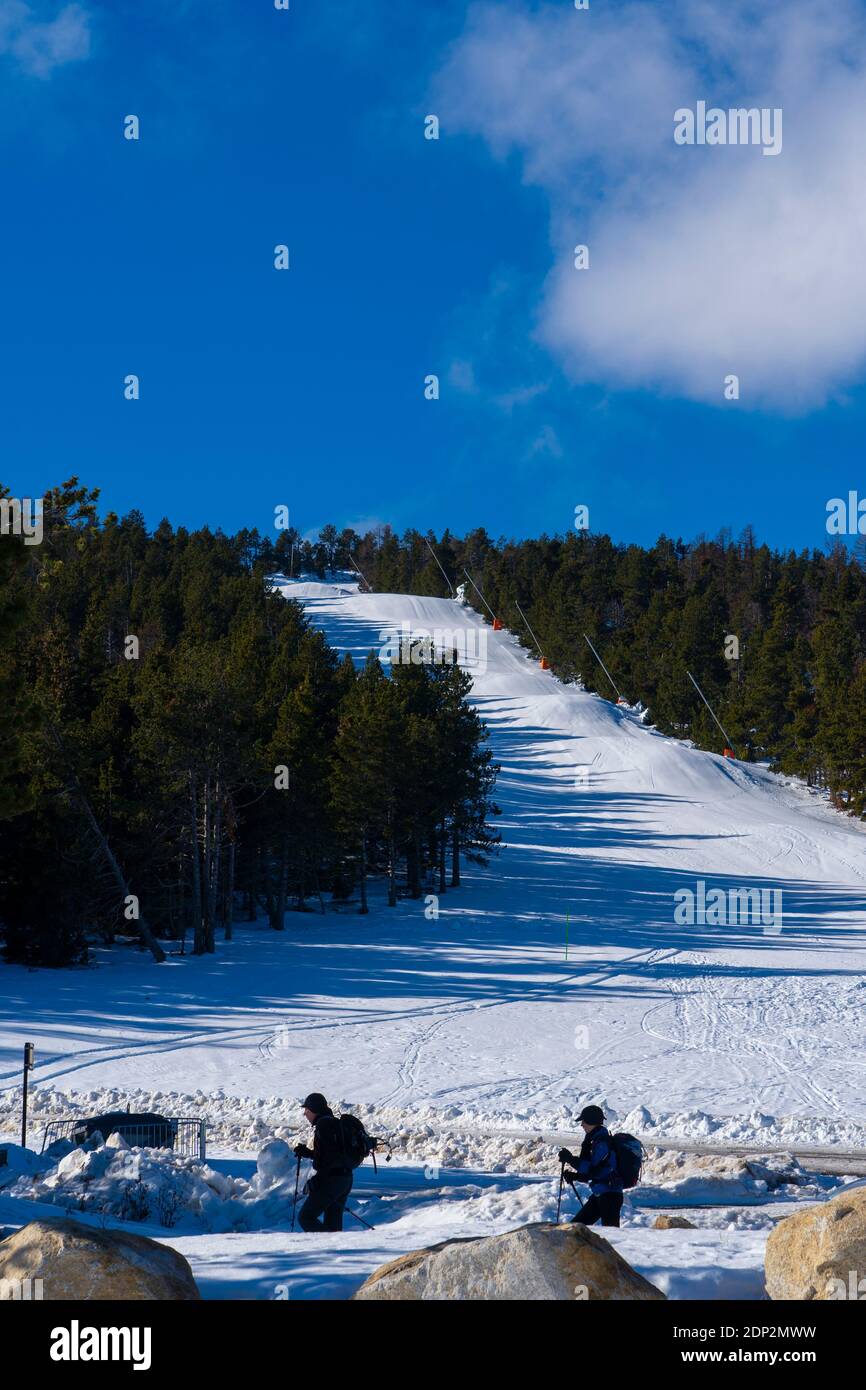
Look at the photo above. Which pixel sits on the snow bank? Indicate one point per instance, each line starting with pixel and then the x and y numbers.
pixel 136 1185
pixel 169 1190
pixel 19 1163
pixel 452 1136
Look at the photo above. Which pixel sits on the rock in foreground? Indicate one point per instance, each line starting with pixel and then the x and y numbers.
pixel 541 1261
pixel 75 1261
pixel 820 1253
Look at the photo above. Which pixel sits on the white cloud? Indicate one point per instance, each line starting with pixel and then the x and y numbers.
pixel 520 395
pixel 41 45
pixel 704 260
pixel 461 375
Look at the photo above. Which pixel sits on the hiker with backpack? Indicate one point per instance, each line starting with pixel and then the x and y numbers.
pixel 340 1145
pixel 608 1163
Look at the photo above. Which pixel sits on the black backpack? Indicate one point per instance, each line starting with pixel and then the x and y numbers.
pixel 357 1143
pixel 630 1154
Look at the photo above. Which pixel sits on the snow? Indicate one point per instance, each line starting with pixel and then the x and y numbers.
pixel 556 976
pixel 231 1218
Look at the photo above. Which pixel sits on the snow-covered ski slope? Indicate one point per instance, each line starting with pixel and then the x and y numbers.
pixel 603 819
pixel 554 976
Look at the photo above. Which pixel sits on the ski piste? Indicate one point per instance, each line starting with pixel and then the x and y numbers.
pixel 471 1042
pixel 476 1015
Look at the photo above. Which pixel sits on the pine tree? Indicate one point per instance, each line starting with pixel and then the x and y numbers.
pixel 15 708
pixel 364 776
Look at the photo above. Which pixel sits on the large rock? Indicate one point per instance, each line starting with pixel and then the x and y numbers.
pixel 541 1261
pixel 76 1262
pixel 673 1223
pixel 820 1252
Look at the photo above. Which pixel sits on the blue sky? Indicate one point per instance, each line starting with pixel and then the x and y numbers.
pixel 411 257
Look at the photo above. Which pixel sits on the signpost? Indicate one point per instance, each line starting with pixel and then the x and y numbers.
pixel 28 1067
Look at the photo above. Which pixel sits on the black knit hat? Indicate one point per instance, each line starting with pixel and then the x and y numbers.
pixel 593 1114
pixel 315 1102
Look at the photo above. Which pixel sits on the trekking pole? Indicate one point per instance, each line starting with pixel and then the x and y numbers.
pixel 297 1181
pixel 361 1219
pixel 559 1198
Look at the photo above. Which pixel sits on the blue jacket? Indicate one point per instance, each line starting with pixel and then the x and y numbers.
pixel 597 1163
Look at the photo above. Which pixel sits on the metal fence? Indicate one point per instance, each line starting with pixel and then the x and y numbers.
pixel 187 1137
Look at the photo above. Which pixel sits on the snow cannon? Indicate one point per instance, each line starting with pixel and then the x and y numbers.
pixel 497 625
pixel 545 664
pixel 727 752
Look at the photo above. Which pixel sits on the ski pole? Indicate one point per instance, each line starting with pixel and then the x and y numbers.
pixel 361 1219
pixel 297 1181
pixel 559 1198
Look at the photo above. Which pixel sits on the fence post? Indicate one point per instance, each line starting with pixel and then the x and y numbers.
pixel 202 1140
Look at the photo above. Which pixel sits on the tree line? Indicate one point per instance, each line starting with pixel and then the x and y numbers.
pixel 180 748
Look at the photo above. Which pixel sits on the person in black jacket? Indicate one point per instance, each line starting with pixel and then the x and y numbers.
pixel 329 1187
pixel 597 1166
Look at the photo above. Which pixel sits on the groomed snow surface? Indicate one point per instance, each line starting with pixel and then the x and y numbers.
pixel 555 976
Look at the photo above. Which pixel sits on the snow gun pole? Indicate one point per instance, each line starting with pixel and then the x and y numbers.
pixel 369 586
pixel 436 558
pixel 531 633
pixel 297 1180
pixel 728 743
pixel 603 667
pixel 361 1219
pixel 480 595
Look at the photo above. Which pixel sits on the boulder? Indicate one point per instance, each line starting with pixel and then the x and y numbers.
pixel 541 1261
pixel 820 1253
pixel 75 1261
pixel 673 1223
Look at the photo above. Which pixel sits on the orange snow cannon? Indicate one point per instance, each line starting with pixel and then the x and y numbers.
pixel 497 625
pixel 727 752
pixel 545 664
